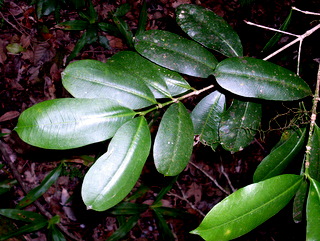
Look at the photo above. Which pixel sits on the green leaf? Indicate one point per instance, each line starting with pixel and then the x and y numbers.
pixel 88 37
pixel 122 10
pixel 239 124
pixel 55 234
pixel 275 38
pixel 162 82
pixel 314 167
pixel 22 215
pixel 247 208
pixel 29 228
pixel 313 211
pixel 176 53
pixel 6 185
pixel 104 42
pixel 94 79
pixel 250 77
pixel 70 123
pixel 115 173
pixel 280 157
pixel 164 230
pixel 37 192
pixel 128 208
pixel 143 18
pixel 206 117
pixel 110 28
pixel 74 25
pixel 124 30
pixel 164 191
pixel 125 228
pixel 209 29
pixel 299 201
pixel 174 141
pixel 15 48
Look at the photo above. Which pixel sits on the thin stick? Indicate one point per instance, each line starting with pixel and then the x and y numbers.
pixel 12 25
pixel 211 178
pixel 305 12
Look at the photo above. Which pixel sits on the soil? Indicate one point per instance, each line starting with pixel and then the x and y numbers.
pixel 34 75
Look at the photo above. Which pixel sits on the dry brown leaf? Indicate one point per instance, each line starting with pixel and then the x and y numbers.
pixel 196 191
pixel 9 115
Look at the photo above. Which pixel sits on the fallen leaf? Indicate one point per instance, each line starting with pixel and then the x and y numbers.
pixel 9 115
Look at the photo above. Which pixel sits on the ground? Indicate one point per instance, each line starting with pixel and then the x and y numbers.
pixel 34 75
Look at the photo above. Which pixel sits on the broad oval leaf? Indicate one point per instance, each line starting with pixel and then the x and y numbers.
pixel 314 168
pixel 280 157
pixel 38 191
pixel 94 79
pixel 247 208
pixel 206 117
pixel 176 53
pixel 70 123
pixel 174 141
pixel 313 211
pixel 162 82
pixel 115 173
pixel 209 29
pixel 239 125
pixel 250 77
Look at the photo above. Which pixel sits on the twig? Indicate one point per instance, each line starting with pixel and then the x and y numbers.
pixel 184 198
pixel 312 123
pixel 305 12
pixel 227 177
pixel 12 25
pixel 271 29
pixel 211 178
pixel 7 159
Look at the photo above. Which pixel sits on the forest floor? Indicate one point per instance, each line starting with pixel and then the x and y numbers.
pixel 34 75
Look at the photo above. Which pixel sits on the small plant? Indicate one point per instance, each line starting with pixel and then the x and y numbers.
pixel 113 100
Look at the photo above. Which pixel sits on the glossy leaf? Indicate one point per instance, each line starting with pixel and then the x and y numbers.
pixel 299 202
pixel 123 229
pixel 313 211
pixel 174 141
pixel 314 168
pixel 176 53
pixel 280 157
pixel 250 77
pixel 94 79
pixel 162 82
pixel 115 173
pixel 70 123
pixel 37 192
pixel 247 208
pixel 239 124
pixel 206 117
pixel 209 29
pixel 22 215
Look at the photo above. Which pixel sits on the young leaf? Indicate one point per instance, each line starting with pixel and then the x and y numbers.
pixel 299 201
pixel 250 77
pixel 314 168
pixel 174 140
pixel 279 158
pixel 313 211
pixel 162 82
pixel 94 79
pixel 176 53
pixel 37 192
pixel 206 118
pixel 239 124
pixel 115 173
pixel 22 215
pixel 55 234
pixel 70 123
pixel 209 29
pixel 248 207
